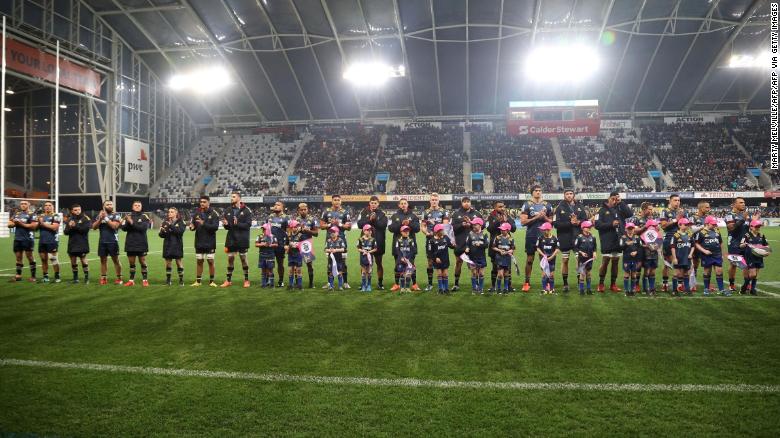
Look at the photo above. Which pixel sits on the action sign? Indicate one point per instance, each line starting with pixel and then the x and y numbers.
pixel 136 162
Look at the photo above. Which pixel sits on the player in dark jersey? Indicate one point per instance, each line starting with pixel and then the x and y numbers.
pixel 24 223
pixel 367 247
pixel 49 241
pixel 461 226
pixel 503 247
pixel 670 216
pixel 237 220
pixel 610 221
pixel 172 230
pixel 697 224
pixel 438 247
pixel 709 245
pixel 587 251
pixel 77 227
pixel 568 216
pixel 682 251
pixel 432 216
pixel 336 216
pixel 278 221
pixel 405 251
pixel 205 223
pixel 495 219
pixel 135 226
pixel 267 244
pixel 632 259
pixel 108 223
pixel 737 223
pixel 752 238
pixel 533 214
pixel 650 258
pixel 547 246
pixel 476 243
pixel 404 216
pixel 374 216
pixel 335 248
pixel 310 228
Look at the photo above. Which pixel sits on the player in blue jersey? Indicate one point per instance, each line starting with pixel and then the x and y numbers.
pixel 587 251
pixel 434 215
pixel 267 244
pixel 737 224
pixel 477 242
pixel 294 256
pixel 310 228
pixel 438 248
pixel 548 246
pixel 278 221
pixel 503 247
pixel 533 214
pixel 336 216
pixel 24 222
pixel 335 249
pixel 697 224
pixel 108 223
pixel 669 219
pixel 367 246
pixel 709 246
pixel 49 241
pixel 753 238
pixel 632 259
pixel 681 244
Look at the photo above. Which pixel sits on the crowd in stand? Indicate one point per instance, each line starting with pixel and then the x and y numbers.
pixel 424 159
pixel 196 162
pixel 698 156
pixel 339 160
pixel 754 137
pixel 614 160
pixel 513 163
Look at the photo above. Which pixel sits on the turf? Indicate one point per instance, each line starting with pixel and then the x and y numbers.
pixel 522 337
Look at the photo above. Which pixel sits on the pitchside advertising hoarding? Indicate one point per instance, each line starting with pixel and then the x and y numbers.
pixel 567 128
pixel 690 120
pixel 136 162
pixel 616 124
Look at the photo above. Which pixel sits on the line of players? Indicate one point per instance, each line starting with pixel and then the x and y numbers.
pixel 687 243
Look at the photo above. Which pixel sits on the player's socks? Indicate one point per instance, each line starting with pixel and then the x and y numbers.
pixel 263 279
pixel 552 282
pixel 180 271
pixel 144 271
pixel 544 283
pixel 474 282
pixel 707 282
pixel 246 272
pixel 32 269
pixel 429 271
pixel 73 267
pixel 56 275
pixel 665 280
pixel 581 286
pixel 481 282
pixel 644 283
pixel 341 281
pixel 587 283
pixel 168 274
pixel 753 285
pixel 299 281
pixel 290 280
pixel 229 275
pixel 19 267
pixel 719 281
pixel 493 274
pixel 601 279
pixel 651 283
pixel 457 280
pixel 686 283
pixel 565 279
pixel 311 278
pixel 271 279
pixel 446 283
pixel 85 269
pixel 732 281
pixel 674 284
pixel 506 284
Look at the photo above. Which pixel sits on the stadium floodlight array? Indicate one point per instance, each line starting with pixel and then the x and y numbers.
pixel 201 81
pixel 569 63
pixel 749 61
pixel 372 74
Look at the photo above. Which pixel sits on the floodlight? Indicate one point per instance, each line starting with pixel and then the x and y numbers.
pixel 201 81
pixel 570 63
pixel 372 74
pixel 748 61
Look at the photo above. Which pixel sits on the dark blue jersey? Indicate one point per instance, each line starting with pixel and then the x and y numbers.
pixel 106 233
pixel 753 239
pixel 46 235
pixel 631 244
pixel 267 252
pixel 367 244
pixel 278 225
pixel 339 243
pixel 533 210
pixel 477 244
pixel 740 228
pixel 586 244
pixel 406 247
pixel 710 240
pixel 681 245
pixel 670 216
pixel 438 247
pixel 336 217
pixel 22 234
pixel 433 217
pixel 548 245
pixel 308 224
pixel 293 241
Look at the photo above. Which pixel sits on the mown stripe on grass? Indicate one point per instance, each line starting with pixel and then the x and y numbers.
pixel 404 382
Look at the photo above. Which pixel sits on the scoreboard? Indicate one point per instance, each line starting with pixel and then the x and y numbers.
pixel 553 118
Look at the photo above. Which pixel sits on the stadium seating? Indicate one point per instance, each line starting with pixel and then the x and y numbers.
pixel 424 159
pixel 181 179
pixel 698 156
pixel 612 160
pixel 514 163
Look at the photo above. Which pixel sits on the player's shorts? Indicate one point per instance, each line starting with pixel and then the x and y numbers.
pixel 340 265
pixel 755 264
pixel 364 261
pixel 106 249
pixel 266 264
pixel 48 247
pixel 460 250
pixel 295 260
pixel 135 253
pixel 711 260
pixel 530 247
pixel 279 252
pixel 400 267
pixel 631 266
pixel 581 260
pixel 445 264
pixel 612 254
pixel 78 254
pixel 234 249
pixel 23 245
pixel 650 263
pixel 565 253
pixel 479 263
pixel 684 267
pixel 667 246
pixel 736 250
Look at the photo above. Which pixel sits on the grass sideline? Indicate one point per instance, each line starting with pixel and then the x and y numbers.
pixel 519 338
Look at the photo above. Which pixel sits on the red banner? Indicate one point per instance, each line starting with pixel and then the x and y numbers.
pixel 24 58
pixel 559 128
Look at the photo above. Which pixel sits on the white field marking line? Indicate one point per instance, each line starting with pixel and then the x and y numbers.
pixel 400 382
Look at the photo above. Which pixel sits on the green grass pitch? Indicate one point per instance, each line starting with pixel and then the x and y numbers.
pixel 605 338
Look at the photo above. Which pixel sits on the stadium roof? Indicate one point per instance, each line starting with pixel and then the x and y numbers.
pixel 463 57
